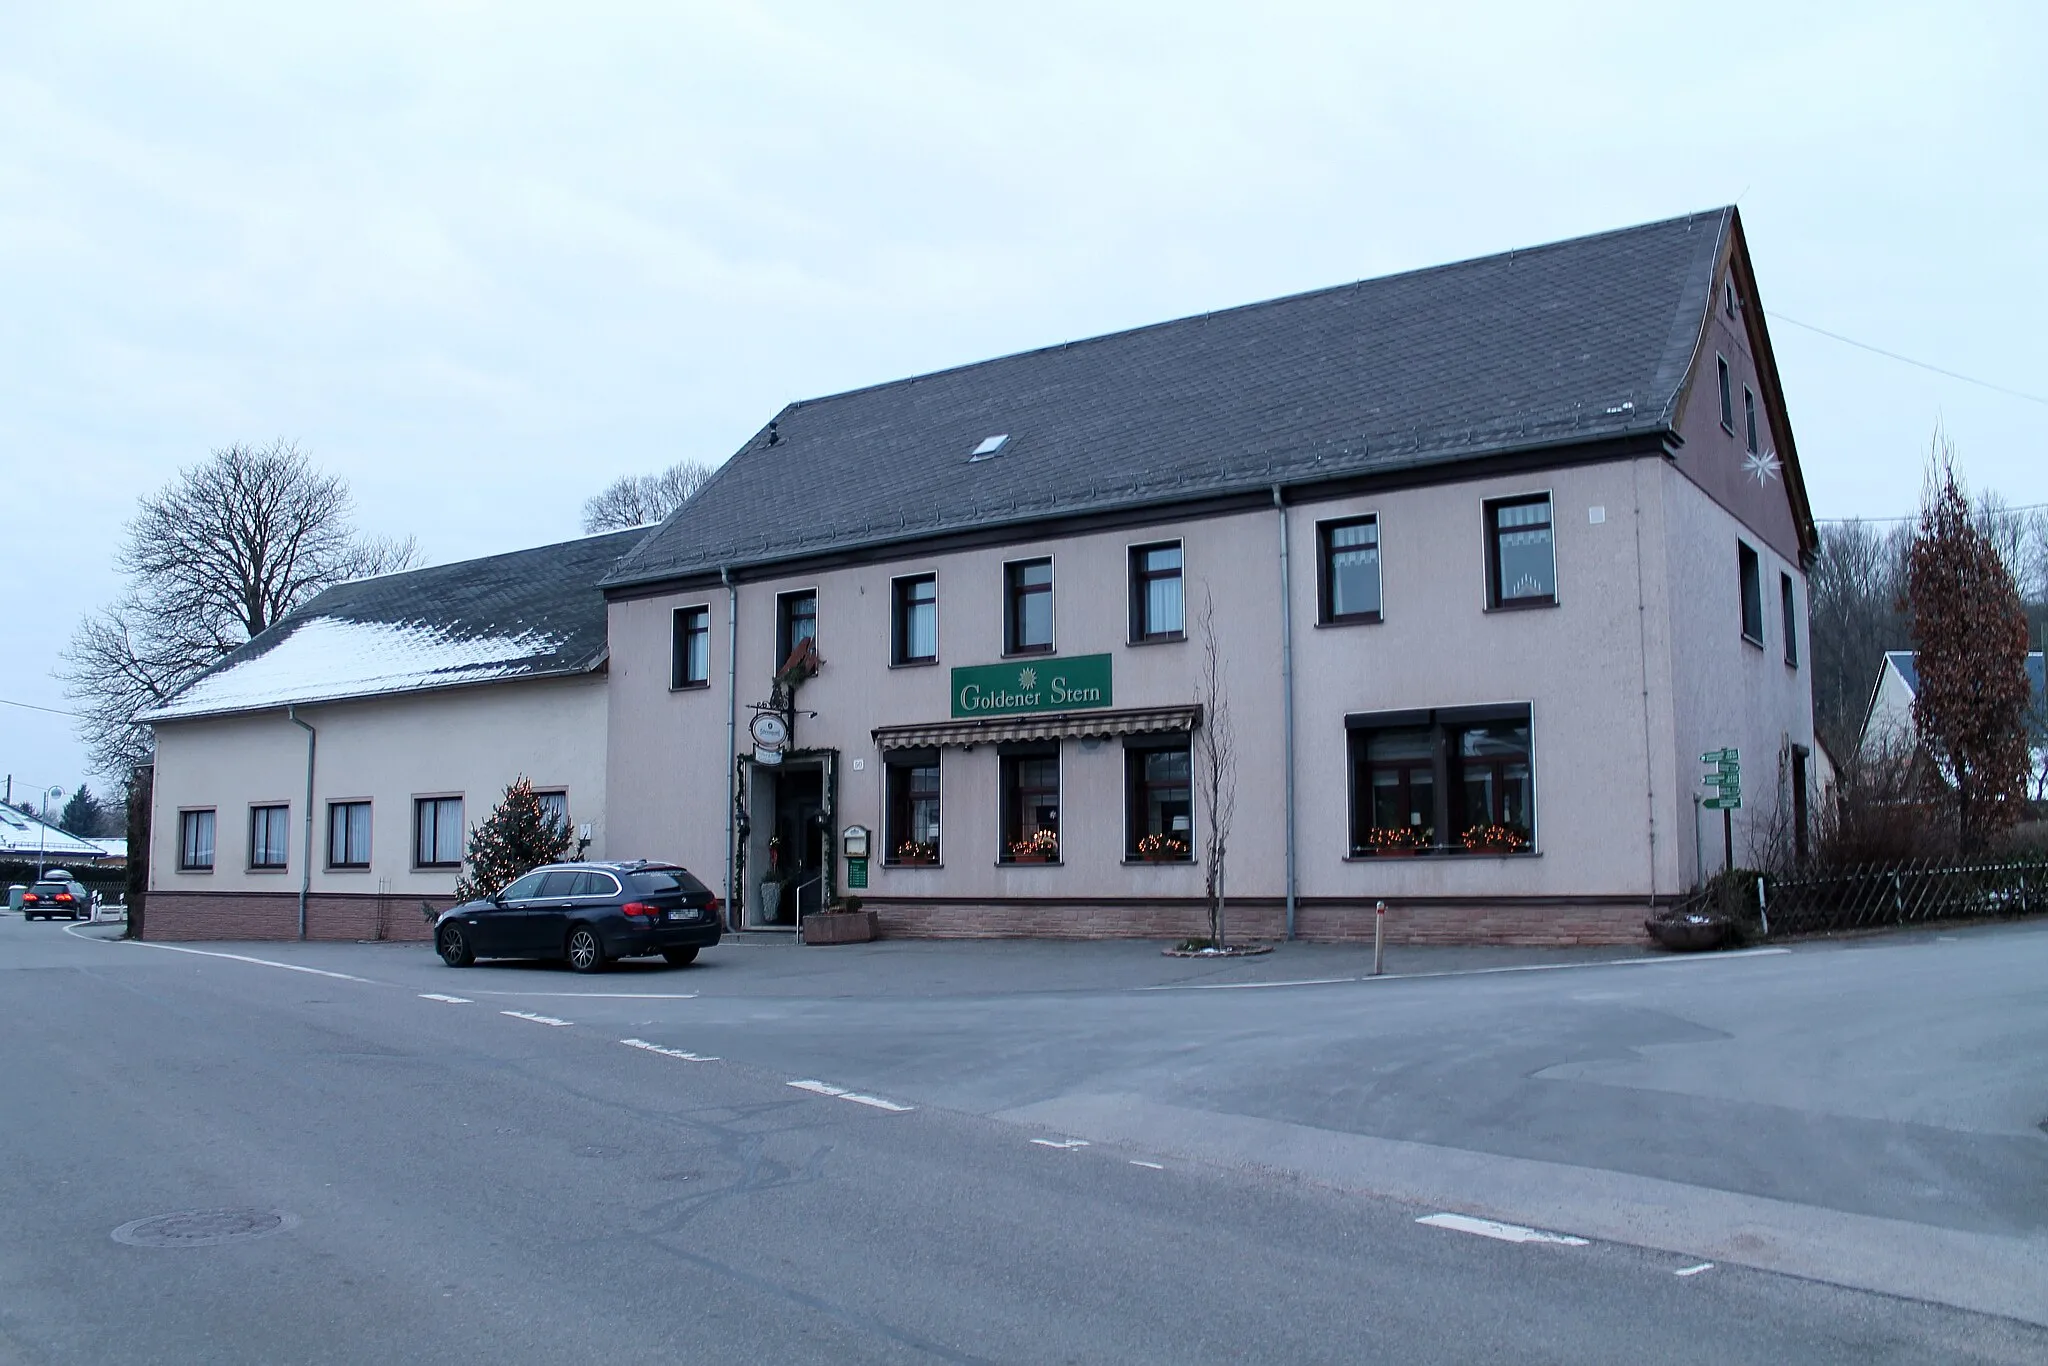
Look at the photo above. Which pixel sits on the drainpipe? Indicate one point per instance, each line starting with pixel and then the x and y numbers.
pixel 1287 694
pixel 306 872
pixel 732 727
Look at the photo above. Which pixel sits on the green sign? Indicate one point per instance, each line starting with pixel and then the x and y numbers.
pixel 1726 779
pixel 1023 686
pixel 856 872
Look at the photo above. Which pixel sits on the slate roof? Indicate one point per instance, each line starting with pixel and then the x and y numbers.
pixel 1565 343
pixel 1908 665
pixel 528 614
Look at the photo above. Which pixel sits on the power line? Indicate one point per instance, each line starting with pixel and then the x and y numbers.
pixel 1914 517
pixel 10 702
pixel 1908 360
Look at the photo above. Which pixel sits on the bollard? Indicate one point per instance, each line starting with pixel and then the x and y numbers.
pixel 1763 906
pixel 1379 936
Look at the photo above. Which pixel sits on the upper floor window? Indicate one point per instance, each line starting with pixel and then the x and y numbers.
pixel 1157 608
pixel 269 836
pixel 1727 396
pixel 1788 603
pixel 1752 593
pixel 1749 415
pixel 690 643
pixel 796 621
pixel 348 834
pixel 915 634
pixel 1349 574
pixel 195 841
pixel 437 832
pixel 1521 566
pixel 1027 607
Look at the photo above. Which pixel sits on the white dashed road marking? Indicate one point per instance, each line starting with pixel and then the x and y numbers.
pixel 647 1047
pixel 1150 1166
pixel 603 995
pixel 1693 1270
pixel 451 1000
pixel 537 1019
pixel 841 1093
pixel 1507 1233
pixel 1064 1144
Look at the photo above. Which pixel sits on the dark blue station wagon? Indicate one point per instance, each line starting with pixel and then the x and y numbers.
pixel 586 914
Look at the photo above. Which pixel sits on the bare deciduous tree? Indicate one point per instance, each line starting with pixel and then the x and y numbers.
pixel 215 557
pixel 1971 634
pixel 644 499
pixel 1857 590
pixel 1215 763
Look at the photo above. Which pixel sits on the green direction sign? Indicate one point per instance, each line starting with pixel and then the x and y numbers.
pixel 1726 779
pixel 1023 686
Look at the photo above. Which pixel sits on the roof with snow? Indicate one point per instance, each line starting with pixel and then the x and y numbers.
pixel 1565 344
pixel 1908 665
pixel 24 836
pixel 529 614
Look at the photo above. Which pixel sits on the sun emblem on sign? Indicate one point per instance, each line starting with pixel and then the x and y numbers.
pixel 1027 678
pixel 1763 468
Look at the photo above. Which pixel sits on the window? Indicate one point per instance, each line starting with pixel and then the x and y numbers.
pixel 796 621
pixel 524 888
pixel 1521 569
pixel 269 836
pixel 1727 396
pixel 1728 289
pixel 1157 606
pixel 1350 570
pixel 1159 789
pixel 348 834
pixel 690 665
pixel 554 806
pixel 911 780
pixel 1752 594
pixel 195 841
pixel 437 832
pixel 1031 804
pixel 1749 415
pixel 916 630
pixel 1027 612
pixel 1456 780
pixel 1788 603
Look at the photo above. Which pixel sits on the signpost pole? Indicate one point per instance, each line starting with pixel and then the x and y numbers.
pixel 1727 838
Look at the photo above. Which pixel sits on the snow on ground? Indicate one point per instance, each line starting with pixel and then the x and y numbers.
pixel 328 658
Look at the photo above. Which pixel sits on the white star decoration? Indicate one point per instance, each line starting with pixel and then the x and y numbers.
pixel 1765 466
pixel 1027 678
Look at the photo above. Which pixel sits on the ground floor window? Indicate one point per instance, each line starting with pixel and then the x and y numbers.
pixel 1160 826
pixel 269 836
pixel 1031 804
pixel 911 778
pixel 195 841
pixel 437 832
pixel 348 835
pixel 1449 781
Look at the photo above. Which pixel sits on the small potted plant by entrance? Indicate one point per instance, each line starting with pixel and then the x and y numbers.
pixel 1397 841
pixel 844 923
pixel 1494 839
pixel 1042 847
pixel 917 851
pixel 1163 848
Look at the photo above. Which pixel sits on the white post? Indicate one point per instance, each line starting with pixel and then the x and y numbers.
pixel 1379 936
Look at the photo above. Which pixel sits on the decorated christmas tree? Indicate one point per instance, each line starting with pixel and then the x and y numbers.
pixel 514 839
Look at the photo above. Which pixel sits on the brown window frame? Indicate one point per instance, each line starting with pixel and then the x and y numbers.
pixel 1496 599
pixel 339 810
pixel 1141 577
pixel 419 806
pixel 1749 566
pixel 1138 789
pixel 901 605
pixel 787 616
pixel 257 813
pixel 1015 592
pixel 1749 416
pixel 1326 572
pixel 1727 395
pixel 900 796
pixel 186 819
pixel 1013 793
pixel 689 629
pixel 1788 607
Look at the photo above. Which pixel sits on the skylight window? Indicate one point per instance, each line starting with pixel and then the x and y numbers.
pixel 989 447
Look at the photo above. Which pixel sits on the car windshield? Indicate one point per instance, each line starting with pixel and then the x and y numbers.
pixel 654 880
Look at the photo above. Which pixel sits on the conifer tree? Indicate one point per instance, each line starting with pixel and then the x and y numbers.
pixel 513 840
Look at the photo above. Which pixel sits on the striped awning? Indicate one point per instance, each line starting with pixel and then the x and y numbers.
pixel 1066 725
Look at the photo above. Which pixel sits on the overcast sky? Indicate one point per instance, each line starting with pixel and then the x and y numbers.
pixel 480 259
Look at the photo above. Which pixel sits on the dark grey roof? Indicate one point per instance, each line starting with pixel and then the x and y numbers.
pixel 1570 342
pixel 528 614
pixel 1908 665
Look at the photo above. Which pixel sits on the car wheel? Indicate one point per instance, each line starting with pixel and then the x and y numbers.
pixel 454 947
pixel 585 951
pixel 680 958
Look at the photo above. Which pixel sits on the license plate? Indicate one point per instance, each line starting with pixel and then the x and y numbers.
pixel 682 915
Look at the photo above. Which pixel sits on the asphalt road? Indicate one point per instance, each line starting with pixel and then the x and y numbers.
pixel 1049 1153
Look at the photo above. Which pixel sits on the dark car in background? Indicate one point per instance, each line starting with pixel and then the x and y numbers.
pixel 57 893
pixel 586 914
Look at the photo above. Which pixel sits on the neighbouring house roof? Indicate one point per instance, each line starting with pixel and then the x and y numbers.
pixel 23 836
pixel 528 614
pixel 1564 344
pixel 1907 664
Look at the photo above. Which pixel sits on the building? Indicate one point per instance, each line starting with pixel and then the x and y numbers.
pixel 376 724
pixel 35 843
pixel 1888 720
pixel 1491 554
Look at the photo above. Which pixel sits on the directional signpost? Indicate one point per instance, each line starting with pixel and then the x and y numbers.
pixel 1726 780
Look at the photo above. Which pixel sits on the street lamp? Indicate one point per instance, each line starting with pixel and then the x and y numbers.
pixel 43 830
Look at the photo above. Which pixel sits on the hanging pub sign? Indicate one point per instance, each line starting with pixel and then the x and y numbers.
pixel 1020 687
pixel 771 734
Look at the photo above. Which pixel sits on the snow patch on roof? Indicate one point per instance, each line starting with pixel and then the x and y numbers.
pixel 330 658
pixel 23 836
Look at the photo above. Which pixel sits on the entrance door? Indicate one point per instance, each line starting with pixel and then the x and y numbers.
pixel 790 840
pixel 800 826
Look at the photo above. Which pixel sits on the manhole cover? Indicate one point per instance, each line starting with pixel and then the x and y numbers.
pixel 203 1227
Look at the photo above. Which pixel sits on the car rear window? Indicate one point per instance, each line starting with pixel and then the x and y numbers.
pixel 652 881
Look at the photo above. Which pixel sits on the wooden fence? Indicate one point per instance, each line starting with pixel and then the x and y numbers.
pixel 1908 893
